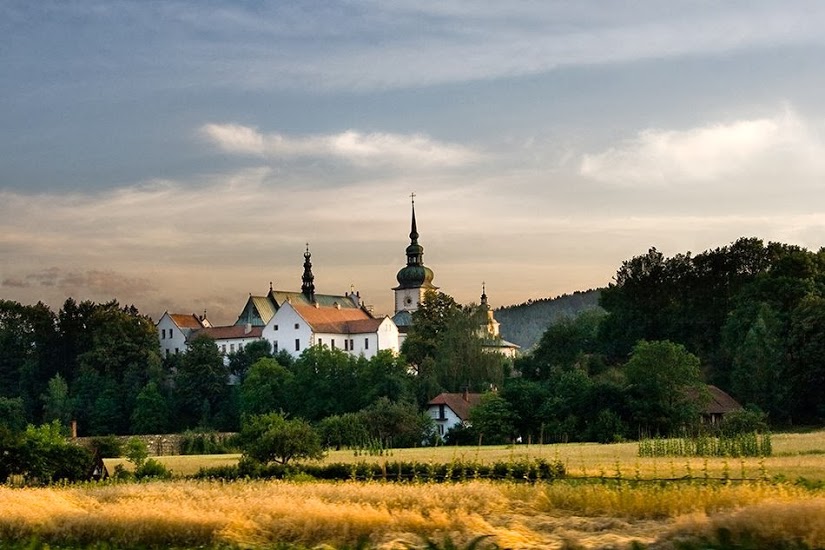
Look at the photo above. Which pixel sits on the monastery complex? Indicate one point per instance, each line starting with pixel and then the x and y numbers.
pixel 292 321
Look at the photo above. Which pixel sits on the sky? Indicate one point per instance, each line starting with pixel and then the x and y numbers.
pixel 178 155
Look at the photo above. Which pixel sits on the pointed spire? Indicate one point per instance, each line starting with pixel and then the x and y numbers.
pixel 413 227
pixel 308 284
pixel 483 295
pixel 415 252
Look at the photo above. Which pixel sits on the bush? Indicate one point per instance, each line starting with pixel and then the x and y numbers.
pixel 526 470
pixel 136 451
pixel 152 469
pixel 206 443
pixel 107 446
pixel 43 455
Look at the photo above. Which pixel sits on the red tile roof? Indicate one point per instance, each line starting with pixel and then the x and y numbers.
pixel 228 333
pixel 337 321
pixel 184 320
pixel 460 403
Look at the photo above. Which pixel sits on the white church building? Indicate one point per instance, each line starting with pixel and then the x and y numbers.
pixel 294 321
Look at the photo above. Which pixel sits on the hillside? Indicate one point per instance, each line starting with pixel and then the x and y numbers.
pixel 523 324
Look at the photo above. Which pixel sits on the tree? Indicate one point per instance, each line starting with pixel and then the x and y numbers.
pixel 326 382
pixel 201 384
pixel 12 414
pixel 397 424
pixel 151 412
pixel 445 348
pixel 266 388
pixel 757 355
pixel 666 385
pixel 564 345
pixel 343 430
pixel 806 365
pixel 241 360
pixel 57 405
pixel 493 419
pixel 273 438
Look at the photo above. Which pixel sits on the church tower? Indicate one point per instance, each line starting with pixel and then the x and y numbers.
pixel 416 278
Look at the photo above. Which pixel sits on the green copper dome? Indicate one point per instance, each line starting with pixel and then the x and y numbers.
pixel 415 274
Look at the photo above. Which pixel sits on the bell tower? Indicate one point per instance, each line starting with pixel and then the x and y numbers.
pixel 415 278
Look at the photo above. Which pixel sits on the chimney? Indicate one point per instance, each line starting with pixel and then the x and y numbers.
pixel 74 429
pixel 466 395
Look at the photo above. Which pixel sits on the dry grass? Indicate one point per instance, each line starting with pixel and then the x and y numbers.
pixel 259 514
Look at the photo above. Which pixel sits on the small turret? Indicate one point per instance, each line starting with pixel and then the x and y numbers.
pixel 308 279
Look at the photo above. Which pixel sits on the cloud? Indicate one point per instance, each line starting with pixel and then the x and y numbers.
pixel 709 153
pixel 107 282
pixel 355 147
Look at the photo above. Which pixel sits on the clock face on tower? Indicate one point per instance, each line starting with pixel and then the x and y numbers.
pixel 408 300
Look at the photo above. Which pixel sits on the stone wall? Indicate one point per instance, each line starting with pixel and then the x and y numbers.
pixel 156 445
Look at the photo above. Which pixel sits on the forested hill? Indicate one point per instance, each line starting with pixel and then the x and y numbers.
pixel 523 324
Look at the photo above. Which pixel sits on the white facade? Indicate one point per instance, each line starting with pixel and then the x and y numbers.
pixel 288 331
pixel 445 418
pixel 174 329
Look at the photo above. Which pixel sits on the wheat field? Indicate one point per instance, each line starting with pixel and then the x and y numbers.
pixel 259 514
pixel 609 501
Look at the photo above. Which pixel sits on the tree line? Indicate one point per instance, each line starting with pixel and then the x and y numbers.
pixel 748 317
pixel 99 364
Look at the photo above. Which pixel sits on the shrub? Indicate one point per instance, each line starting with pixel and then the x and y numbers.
pixel 136 451
pixel 206 443
pixel 152 469
pixel 106 446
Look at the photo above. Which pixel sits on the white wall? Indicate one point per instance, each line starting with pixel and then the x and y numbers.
pixel 280 331
pixel 444 424
pixel 172 339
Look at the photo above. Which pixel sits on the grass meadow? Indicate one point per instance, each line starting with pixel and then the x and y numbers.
pixel 794 456
pixel 618 505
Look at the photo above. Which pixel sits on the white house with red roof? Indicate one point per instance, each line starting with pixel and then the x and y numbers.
pixel 451 409
pixel 295 327
pixel 174 330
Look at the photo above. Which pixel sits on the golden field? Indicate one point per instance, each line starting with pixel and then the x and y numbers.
pixel 259 514
pixel 616 506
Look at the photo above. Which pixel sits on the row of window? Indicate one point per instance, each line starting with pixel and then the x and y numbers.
pixel 163 333
pixel 297 326
pixel 349 343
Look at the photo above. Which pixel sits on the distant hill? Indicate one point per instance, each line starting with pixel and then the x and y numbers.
pixel 525 323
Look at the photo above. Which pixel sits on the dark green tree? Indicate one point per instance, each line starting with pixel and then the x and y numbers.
pixel 666 386
pixel 57 405
pixel 201 384
pixel 273 438
pixel 757 375
pixel 397 424
pixel 806 365
pixel 444 347
pixel 152 413
pixel 493 419
pixel 241 361
pixel 326 382
pixel 266 388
